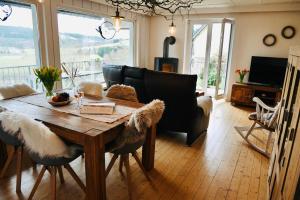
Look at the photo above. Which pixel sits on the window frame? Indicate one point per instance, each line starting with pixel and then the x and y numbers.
pixel 79 11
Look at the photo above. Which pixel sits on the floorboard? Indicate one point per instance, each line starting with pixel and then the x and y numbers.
pixel 220 165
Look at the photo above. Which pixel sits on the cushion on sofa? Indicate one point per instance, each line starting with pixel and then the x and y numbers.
pixel 113 74
pixel 134 77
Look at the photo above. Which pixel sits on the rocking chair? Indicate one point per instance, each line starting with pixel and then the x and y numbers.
pixel 265 117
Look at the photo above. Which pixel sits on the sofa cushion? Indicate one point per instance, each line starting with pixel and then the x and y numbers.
pixel 178 93
pixel 113 74
pixel 134 77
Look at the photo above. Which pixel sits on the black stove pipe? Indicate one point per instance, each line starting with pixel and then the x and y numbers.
pixel 168 41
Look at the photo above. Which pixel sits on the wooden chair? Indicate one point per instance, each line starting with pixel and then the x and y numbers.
pixel 13 145
pixel 14 149
pixel 54 166
pixel 133 137
pixel 265 117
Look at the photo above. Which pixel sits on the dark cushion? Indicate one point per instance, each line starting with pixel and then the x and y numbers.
pixel 57 161
pixel 113 74
pixel 8 138
pixel 178 93
pixel 134 76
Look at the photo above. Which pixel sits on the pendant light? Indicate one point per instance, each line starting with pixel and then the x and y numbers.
pixel 117 20
pixel 172 28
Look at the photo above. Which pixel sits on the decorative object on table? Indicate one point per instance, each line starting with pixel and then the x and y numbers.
pixel 72 73
pixel 48 76
pixel 288 32
pixel 265 117
pixel 106 30
pixel 98 108
pixel 5 11
pixel 242 73
pixel 93 89
pixel 269 40
pixel 60 99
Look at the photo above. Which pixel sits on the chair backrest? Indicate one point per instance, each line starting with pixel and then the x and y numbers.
pixel 265 114
pixel 34 135
pixel 8 138
pixel 15 91
pixel 135 131
pixel 147 116
pixel 91 88
pixel 123 92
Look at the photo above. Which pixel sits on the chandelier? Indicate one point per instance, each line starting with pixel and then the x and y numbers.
pixel 155 7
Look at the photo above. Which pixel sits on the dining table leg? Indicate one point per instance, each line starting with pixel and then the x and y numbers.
pixel 149 149
pixel 95 167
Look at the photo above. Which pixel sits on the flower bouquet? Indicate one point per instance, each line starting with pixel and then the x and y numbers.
pixel 242 73
pixel 48 76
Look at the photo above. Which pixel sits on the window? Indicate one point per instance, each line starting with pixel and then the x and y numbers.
pixel 82 47
pixel 19 52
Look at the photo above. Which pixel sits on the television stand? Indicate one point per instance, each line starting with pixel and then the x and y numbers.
pixel 243 93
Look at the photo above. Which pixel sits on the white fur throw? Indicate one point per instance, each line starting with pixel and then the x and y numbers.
pixel 140 120
pixel 91 88
pixel 124 92
pixel 205 102
pixel 36 137
pixel 15 91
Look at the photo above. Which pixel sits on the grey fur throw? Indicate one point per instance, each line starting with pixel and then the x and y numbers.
pixel 142 119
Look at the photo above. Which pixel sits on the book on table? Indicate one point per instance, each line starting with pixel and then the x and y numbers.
pixel 98 108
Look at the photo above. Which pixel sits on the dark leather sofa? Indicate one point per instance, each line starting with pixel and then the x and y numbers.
pixel 177 91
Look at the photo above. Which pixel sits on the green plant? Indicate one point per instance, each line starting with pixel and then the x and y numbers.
pixel 48 76
pixel 212 74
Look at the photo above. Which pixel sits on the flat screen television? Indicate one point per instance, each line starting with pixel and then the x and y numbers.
pixel 267 71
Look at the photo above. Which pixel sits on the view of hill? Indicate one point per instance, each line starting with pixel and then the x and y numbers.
pixel 20 37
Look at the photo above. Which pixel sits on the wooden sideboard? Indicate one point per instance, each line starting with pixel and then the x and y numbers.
pixel 284 168
pixel 242 94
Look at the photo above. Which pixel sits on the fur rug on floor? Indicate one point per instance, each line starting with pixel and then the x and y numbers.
pixel 37 138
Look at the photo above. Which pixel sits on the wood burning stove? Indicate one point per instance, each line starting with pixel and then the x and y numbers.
pixel 165 63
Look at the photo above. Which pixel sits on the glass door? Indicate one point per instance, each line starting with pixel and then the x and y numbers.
pixel 209 58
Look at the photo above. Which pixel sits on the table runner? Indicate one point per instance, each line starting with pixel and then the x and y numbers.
pixel 119 113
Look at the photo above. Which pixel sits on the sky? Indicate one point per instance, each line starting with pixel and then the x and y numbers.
pixel 23 18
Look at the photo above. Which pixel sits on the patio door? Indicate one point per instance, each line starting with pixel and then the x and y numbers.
pixel 208 54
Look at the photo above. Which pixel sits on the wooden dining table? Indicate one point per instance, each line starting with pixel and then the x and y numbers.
pixel 93 135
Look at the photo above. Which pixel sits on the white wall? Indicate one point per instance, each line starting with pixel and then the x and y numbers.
pixel 250 28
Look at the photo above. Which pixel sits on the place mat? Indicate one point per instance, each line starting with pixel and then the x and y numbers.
pixel 120 112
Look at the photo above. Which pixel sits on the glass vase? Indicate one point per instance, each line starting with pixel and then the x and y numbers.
pixel 48 88
pixel 242 78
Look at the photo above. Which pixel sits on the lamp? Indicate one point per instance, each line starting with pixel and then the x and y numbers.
pixel 172 28
pixel 117 20
pixel 155 7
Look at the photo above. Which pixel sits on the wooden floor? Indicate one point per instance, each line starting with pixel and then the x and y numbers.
pixel 218 166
